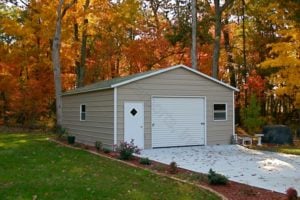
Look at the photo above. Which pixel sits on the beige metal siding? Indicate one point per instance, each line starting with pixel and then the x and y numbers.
pixel 98 125
pixel 178 82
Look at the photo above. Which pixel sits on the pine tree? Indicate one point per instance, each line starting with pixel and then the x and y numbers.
pixel 251 116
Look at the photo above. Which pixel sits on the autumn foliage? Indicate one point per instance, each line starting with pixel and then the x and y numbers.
pixel 103 39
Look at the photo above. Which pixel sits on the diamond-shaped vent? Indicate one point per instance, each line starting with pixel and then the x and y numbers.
pixel 133 112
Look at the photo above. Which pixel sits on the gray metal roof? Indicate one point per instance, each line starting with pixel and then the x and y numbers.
pixel 116 82
pixel 106 84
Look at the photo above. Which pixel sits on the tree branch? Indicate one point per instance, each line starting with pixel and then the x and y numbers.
pixel 227 4
pixel 67 7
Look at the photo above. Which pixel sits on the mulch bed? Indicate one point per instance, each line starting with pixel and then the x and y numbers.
pixel 233 190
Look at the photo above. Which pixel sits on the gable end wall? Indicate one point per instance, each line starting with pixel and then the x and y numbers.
pixel 178 82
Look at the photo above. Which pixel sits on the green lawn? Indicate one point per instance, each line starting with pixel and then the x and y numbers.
pixel 281 149
pixel 31 167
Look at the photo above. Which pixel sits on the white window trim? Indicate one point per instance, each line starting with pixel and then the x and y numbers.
pixel 82 112
pixel 226 110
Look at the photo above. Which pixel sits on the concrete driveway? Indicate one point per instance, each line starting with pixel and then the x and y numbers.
pixel 269 170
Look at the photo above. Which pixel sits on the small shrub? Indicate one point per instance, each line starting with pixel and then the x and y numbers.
pixel 145 161
pixel 98 145
pixel 106 150
pixel 291 194
pixel 126 150
pixel 60 131
pixel 173 168
pixel 216 179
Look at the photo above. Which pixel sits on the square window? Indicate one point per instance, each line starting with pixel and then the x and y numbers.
pixel 220 112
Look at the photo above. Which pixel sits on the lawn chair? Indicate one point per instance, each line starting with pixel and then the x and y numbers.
pixel 243 138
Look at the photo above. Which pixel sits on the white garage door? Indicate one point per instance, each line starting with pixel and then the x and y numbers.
pixel 178 121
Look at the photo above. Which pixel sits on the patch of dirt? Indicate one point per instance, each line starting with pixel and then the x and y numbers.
pixel 232 191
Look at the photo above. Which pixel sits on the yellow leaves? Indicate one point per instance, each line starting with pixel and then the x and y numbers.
pixel 10 27
pixel 284 55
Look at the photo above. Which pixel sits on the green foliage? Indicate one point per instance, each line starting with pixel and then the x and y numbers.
pixel 60 131
pixel 216 179
pixel 288 149
pixel 145 161
pixel 126 150
pixel 98 145
pixel 252 119
pixel 173 168
pixel 65 173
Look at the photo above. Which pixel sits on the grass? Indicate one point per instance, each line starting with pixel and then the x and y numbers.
pixel 31 167
pixel 281 149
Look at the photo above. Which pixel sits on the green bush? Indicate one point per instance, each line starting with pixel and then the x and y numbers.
pixel 145 161
pixel 126 150
pixel 216 179
pixel 98 145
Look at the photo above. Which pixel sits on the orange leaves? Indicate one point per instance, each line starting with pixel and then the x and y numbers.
pixel 255 84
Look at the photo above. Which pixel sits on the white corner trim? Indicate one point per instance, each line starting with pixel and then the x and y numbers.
pixel 172 68
pixel 115 115
pixel 233 114
pixel 205 119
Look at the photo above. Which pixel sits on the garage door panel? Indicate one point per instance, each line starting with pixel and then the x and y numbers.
pixel 177 121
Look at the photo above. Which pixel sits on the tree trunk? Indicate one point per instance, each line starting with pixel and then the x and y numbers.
pixel 218 27
pixel 81 65
pixel 81 73
pixel 229 53
pixel 4 109
pixel 216 52
pixel 194 35
pixel 56 64
pixel 244 71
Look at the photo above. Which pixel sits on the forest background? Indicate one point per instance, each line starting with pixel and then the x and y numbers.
pixel 253 45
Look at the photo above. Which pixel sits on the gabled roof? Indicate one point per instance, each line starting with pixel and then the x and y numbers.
pixel 116 82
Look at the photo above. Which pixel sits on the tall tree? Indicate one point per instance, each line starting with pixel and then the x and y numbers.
pixel 218 28
pixel 61 11
pixel 194 35
pixel 80 64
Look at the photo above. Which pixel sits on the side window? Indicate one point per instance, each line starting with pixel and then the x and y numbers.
pixel 220 112
pixel 82 112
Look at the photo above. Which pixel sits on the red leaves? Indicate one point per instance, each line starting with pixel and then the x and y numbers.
pixel 255 84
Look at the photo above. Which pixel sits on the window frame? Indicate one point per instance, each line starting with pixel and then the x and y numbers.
pixel 214 111
pixel 81 112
